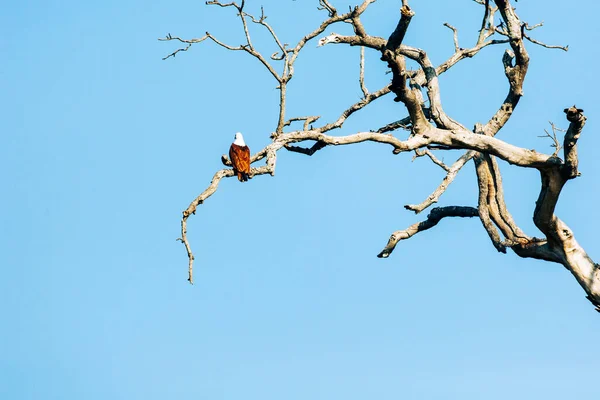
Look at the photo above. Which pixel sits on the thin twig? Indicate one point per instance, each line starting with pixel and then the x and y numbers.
pixel 189 42
pixel 307 121
pixel 441 189
pixel 455 36
pixel 548 46
pixel 555 142
pixel 425 152
pixel 362 72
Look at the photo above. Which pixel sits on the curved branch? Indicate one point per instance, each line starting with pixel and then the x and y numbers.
pixel 561 240
pixel 435 216
pixel 269 168
pixel 515 73
pixel 307 151
pixel 432 157
pixel 448 179
pixel 354 108
pixel 189 42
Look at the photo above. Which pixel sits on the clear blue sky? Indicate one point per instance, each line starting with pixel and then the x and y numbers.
pixel 104 144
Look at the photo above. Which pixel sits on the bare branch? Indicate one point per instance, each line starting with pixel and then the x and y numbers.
pixel 515 73
pixel 326 6
pixel 210 190
pixel 232 4
pixel 354 108
pixel 404 123
pixel 248 47
pixel 307 121
pixel 577 122
pixel 448 179
pixel 173 54
pixel 269 168
pixel 334 17
pixel 228 47
pixel 307 151
pixel 397 64
pixel 502 218
pixel 282 47
pixel 484 21
pixel 461 55
pixel 435 216
pixel 555 142
pixel 188 41
pixel 241 14
pixel 455 139
pixel 434 159
pixel 361 77
pixel 484 181
pixel 492 209
pixel 527 27
pixel 455 36
pixel 532 27
pixel 548 46
pixel 396 38
pixel 441 119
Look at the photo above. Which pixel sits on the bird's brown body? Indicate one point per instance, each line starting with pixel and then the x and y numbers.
pixel 240 159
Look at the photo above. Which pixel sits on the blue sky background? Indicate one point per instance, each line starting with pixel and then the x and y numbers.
pixel 104 145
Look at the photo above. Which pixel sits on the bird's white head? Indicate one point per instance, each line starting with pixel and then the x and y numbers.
pixel 239 139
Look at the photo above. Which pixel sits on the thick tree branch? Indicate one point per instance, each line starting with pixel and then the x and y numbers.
pixel 397 64
pixel 577 119
pixel 486 196
pixel 433 90
pixel 515 73
pixel 561 240
pixel 307 151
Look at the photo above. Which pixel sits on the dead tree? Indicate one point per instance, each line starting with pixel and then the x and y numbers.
pixel 429 127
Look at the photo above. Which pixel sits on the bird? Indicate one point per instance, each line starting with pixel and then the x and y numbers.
pixel 239 154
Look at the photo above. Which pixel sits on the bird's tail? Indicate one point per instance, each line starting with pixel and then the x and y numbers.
pixel 242 176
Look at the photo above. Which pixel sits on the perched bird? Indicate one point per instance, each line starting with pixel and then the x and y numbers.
pixel 239 154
